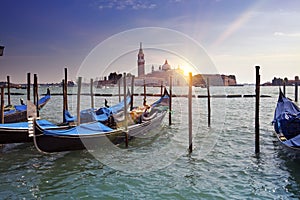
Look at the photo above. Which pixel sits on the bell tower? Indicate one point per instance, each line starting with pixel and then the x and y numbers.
pixel 141 62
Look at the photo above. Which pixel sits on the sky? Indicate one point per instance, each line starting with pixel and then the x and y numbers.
pixel 44 37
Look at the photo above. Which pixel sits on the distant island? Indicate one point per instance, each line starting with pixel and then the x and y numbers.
pixel 162 76
pixel 24 85
pixel 280 82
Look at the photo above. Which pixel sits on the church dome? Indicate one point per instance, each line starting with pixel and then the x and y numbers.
pixel 166 66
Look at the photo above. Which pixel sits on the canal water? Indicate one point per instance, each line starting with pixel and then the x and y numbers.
pixel 223 164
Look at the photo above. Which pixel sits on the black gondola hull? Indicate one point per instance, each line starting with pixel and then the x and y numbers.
pixel 57 143
pixel 14 136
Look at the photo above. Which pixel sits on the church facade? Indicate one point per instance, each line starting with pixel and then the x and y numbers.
pixel 160 76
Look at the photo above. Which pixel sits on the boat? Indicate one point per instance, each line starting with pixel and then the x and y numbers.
pixel 94 133
pixel 75 138
pixel 147 117
pixel 286 123
pixel 18 132
pixel 103 114
pixel 18 113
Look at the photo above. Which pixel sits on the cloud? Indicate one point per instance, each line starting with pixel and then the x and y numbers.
pixel 125 4
pixel 176 1
pixel 286 34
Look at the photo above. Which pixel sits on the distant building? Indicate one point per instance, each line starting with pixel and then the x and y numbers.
pixel 280 81
pixel 228 80
pixel 163 73
pixel 141 62
pixel 277 81
pixel 162 76
pixel 200 80
pixel 113 79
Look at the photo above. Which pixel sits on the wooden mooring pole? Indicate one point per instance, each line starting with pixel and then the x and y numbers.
pixel 208 103
pixel 161 88
pixel 92 93
pixel 190 113
pixel 33 88
pixel 119 89
pixel 284 84
pixel 64 105
pixel 257 96
pixel 28 86
pixel 36 95
pixel 8 91
pixel 125 111
pixel 132 91
pixel 145 100
pixel 2 105
pixel 296 88
pixel 170 101
pixel 78 100
pixel 66 88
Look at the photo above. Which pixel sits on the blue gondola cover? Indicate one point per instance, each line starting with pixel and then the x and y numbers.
pixel 83 129
pixel 287 120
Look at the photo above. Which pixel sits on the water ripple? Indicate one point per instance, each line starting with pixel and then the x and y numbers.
pixel 223 164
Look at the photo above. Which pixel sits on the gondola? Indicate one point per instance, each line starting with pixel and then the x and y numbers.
pixel 287 123
pixel 102 114
pixel 18 113
pixel 18 132
pixel 74 138
pixel 148 118
pixel 95 133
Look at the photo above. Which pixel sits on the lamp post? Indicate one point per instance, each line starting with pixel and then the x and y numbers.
pixel 1 50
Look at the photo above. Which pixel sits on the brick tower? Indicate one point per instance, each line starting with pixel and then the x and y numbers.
pixel 141 62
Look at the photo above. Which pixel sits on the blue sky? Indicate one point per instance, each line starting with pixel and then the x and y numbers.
pixel 43 37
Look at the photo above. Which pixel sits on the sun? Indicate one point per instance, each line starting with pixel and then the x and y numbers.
pixel 186 69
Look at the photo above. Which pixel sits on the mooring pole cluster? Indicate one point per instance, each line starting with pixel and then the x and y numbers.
pixel 189 96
